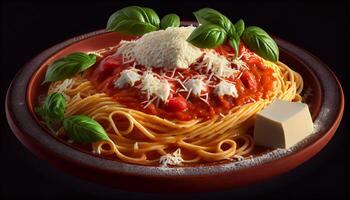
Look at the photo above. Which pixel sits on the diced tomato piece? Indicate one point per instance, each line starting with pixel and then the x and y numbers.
pixel 249 80
pixel 253 60
pixel 177 104
pixel 110 62
pixel 211 111
pixel 151 109
pixel 107 67
pixel 226 104
pixel 224 49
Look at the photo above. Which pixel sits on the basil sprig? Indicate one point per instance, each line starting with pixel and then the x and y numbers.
pixel 223 28
pixel 208 35
pixel 261 43
pixel 79 128
pixel 83 129
pixel 136 20
pixel 68 66
pixel 234 42
pixel 52 110
pixel 235 35
pixel 170 20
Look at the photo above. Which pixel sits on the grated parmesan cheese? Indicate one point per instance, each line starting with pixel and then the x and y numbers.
pixel 226 88
pixel 127 77
pixel 196 86
pixel 163 91
pixel 238 157
pixel 217 64
pixel 63 86
pixel 155 87
pixel 164 48
pixel 172 159
pixel 126 49
pixel 240 63
pixel 247 54
pixel 136 146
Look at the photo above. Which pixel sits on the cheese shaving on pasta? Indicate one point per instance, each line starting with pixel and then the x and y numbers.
pixel 127 77
pixel 172 159
pixel 226 88
pixel 155 87
pixel 196 86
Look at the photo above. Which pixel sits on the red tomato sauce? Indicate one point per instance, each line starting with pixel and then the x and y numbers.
pixel 252 83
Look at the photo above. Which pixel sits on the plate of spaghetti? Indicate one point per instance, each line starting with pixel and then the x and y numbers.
pixel 158 101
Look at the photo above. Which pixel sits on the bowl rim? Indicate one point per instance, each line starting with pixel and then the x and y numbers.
pixel 17 110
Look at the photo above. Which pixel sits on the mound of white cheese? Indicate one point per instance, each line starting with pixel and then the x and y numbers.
pixel 162 49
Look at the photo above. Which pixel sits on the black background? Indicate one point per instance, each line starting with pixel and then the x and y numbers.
pixel 29 27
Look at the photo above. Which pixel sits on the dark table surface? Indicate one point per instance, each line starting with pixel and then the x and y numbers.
pixel 29 27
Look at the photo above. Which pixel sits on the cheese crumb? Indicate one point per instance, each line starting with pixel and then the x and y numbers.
pixel 196 86
pixel 240 63
pixel 226 88
pixel 162 49
pixel 127 77
pixel 238 157
pixel 163 91
pixel 136 146
pixel 155 87
pixel 172 159
pixel 217 64
pixel 63 86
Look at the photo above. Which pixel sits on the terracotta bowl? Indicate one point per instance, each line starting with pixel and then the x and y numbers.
pixel 322 92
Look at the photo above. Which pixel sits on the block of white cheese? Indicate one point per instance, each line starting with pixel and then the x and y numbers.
pixel 282 124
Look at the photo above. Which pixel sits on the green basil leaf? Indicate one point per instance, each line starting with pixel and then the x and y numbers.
pixel 60 70
pixel 232 32
pixel 211 16
pixel 133 20
pixel 170 20
pixel 151 16
pixel 68 66
pixel 82 129
pixel 261 43
pixel 207 36
pixel 239 25
pixel 55 105
pixel 86 60
pixel 236 33
pixel 234 42
pixel 52 110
